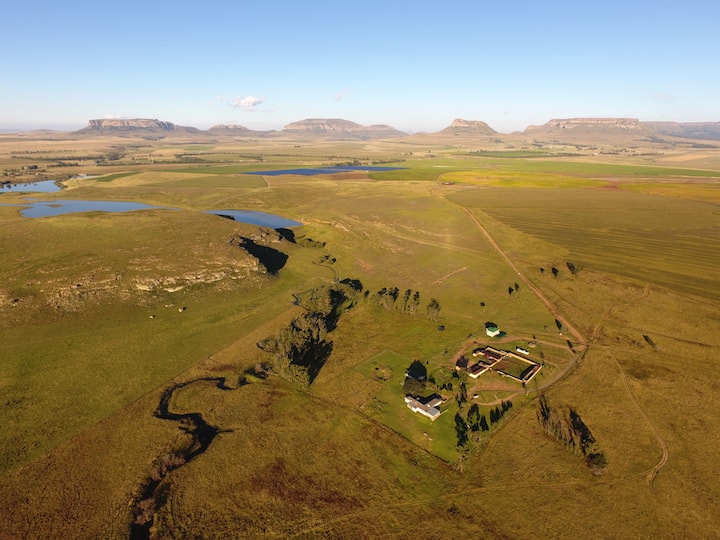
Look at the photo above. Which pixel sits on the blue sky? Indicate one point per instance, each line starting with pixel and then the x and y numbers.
pixel 415 65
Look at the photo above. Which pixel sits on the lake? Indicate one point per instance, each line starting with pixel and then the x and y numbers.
pixel 58 207
pixel 39 209
pixel 43 186
pixel 255 217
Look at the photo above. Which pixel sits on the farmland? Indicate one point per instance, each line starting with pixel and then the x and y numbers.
pixel 101 313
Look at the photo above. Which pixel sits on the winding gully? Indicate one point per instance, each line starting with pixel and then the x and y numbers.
pixel 155 489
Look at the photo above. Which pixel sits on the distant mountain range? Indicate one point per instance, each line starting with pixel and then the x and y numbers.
pixel 332 128
pixel 688 130
pixel 567 129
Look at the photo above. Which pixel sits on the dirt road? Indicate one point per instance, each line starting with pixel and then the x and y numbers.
pixel 579 338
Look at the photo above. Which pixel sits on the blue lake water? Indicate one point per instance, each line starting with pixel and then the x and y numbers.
pixel 324 170
pixel 58 207
pixel 44 186
pixel 256 218
pixel 38 209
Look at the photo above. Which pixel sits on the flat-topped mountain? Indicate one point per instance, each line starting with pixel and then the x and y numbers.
pixel 688 130
pixel 470 127
pixel 579 123
pixel 336 127
pixel 592 131
pixel 127 125
pixel 138 123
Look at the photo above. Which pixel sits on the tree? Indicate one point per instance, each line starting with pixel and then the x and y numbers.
pixel 433 309
pixel 413 387
pixel 406 300
pixel 473 417
pixel 417 370
pixel 394 292
pixel 461 430
pixel 461 396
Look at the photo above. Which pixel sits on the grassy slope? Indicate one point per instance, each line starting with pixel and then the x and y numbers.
pixel 402 233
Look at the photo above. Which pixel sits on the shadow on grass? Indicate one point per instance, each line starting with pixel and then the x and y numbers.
pixel 272 259
pixel 314 358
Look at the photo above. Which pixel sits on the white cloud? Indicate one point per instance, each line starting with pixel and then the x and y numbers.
pixel 247 103
pixel 341 94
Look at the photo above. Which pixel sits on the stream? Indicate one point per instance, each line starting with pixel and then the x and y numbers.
pixel 155 491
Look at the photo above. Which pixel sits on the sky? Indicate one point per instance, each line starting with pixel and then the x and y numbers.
pixel 415 65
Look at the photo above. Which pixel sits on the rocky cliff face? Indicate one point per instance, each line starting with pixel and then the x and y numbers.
pixel 335 127
pixel 627 124
pixel 611 131
pixel 130 123
pixel 139 126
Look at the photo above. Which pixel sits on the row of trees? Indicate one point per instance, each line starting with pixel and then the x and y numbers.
pixel 390 298
pixel 564 424
pixel 407 302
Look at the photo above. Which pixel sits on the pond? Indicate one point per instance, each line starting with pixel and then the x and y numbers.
pixel 43 186
pixel 255 217
pixel 39 209
pixel 58 207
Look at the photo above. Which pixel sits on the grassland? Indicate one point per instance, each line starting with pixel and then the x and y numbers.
pixel 86 354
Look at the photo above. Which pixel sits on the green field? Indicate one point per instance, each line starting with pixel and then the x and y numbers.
pixel 101 314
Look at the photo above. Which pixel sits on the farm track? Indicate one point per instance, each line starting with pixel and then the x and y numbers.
pixel 537 292
pixel 652 474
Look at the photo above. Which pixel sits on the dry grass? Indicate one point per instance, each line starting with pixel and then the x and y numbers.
pixel 82 438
